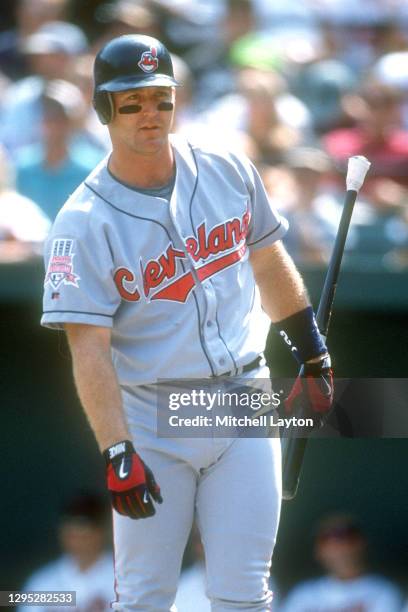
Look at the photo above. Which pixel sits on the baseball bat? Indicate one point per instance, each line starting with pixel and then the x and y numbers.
pixel 295 448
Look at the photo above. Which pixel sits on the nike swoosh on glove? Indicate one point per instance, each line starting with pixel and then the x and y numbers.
pixel 130 482
pixel 312 393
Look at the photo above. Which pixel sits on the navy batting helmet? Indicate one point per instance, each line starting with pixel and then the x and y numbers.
pixel 129 62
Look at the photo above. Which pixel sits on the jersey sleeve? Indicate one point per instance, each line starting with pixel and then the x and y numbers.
pixel 78 285
pixel 266 225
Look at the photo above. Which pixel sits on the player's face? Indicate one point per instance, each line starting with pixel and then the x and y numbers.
pixel 146 131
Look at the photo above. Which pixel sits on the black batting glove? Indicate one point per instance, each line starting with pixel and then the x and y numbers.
pixel 130 482
pixel 312 393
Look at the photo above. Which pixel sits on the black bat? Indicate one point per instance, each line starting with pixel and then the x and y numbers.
pixel 295 447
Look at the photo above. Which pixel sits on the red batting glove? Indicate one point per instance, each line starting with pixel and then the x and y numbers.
pixel 130 482
pixel 312 393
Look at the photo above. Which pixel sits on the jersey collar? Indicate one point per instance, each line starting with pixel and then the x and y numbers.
pixel 131 201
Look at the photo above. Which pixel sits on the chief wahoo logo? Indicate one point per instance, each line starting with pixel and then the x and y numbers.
pixel 149 62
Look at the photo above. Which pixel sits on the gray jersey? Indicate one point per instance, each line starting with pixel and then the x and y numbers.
pixel 173 280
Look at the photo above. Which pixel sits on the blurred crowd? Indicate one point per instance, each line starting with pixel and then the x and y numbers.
pixel 346 580
pixel 298 86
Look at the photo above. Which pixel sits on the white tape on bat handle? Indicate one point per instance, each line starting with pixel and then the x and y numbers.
pixel 356 171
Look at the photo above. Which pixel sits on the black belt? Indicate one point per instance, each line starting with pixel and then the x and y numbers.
pixel 246 368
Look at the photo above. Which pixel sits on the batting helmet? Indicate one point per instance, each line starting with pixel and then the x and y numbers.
pixel 129 62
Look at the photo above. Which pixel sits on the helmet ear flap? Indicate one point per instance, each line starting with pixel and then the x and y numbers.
pixel 103 104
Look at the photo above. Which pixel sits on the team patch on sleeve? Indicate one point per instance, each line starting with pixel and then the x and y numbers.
pixel 61 267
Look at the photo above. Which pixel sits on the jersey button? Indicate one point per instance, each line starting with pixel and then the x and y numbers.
pixel 222 361
pixel 209 323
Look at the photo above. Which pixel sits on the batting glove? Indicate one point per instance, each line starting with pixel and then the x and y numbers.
pixel 130 482
pixel 312 394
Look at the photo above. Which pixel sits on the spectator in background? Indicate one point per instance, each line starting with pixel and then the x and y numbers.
pixel 210 61
pixel 380 218
pixel 360 31
pixel 30 15
pixel 341 547
pixel 23 225
pixel 321 85
pixel 274 120
pixel 185 113
pixel 50 52
pixel 92 132
pixel 392 69
pixel 378 134
pixel 85 566
pixel 48 173
pixel 126 17
pixel 312 206
pixel 396 258
pixel 262 117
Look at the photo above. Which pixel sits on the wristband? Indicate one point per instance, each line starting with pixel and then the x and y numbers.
pixel 301 334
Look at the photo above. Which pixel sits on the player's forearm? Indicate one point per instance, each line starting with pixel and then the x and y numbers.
pixel 99 393
pixel 281 287
pixel 284 298
pixel 97 385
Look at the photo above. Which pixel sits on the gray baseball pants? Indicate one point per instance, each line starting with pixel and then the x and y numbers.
pixel 231 486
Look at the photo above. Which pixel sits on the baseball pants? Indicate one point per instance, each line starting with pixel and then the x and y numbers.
pixel 233 489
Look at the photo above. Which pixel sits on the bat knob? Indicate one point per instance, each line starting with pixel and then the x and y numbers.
pixel 356 172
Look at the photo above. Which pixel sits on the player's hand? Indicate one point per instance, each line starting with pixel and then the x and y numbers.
pixel 130 482
pixel 312 393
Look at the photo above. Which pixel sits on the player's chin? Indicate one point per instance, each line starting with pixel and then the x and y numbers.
pixel 154 139
pixel 154 143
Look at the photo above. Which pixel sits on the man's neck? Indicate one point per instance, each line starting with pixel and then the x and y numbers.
pixel 350 573
pixel 55 154
pixel 142 170
pixel 85 562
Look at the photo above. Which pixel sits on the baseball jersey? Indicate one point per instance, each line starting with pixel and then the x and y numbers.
pixel 365 594
pixel 93 587
pixel 172 279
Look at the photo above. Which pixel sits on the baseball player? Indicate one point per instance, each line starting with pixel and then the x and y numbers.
pixel 348 585
pixel 84 566
pixel 152 267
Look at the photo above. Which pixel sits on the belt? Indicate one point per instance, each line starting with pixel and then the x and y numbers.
pixel 246 368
